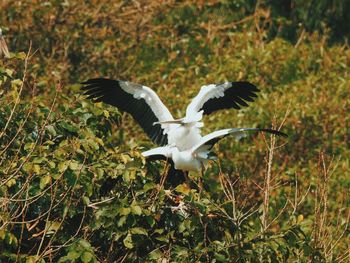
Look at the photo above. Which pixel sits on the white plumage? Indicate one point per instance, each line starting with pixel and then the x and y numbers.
pixel 181 139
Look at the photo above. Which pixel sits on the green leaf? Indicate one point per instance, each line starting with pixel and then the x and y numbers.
pixel 136 210
pixel 45 180
pixel 51 130
pixel 122 221
pixel 150 220
pixel 36 168
pixel 124 211
pixel 16 82
pixel 62 166
pixel 52 227
pixel 8 71
pixel 11 239
pixel 69 127
pixel 52 164
pixel 29 146
pixel 126 176
pixel 39 160
pixel 73 165
pixel 86 257
pixel 100 172
pixel 92 144
pixel 155 254
pixel 85 244
pixel 183 189
pixel 73 255
pixel 128 241
pixel 149 186
pixel 139 231
pixel 86 200
pixel 106 114
pixel 163 239
pixel 19 55
pixel 11 182
pixel 159 231
pixel 34 259
pixel 27 167
pixel 221 257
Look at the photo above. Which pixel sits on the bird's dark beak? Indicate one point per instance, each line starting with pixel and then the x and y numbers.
pixel 178 121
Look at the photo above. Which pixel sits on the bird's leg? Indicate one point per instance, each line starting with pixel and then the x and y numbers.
pixel 200 180
pixel 187 179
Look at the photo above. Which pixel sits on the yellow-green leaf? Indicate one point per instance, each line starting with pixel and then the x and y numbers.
pixel 86 257
pixel 138 231
pixel 106 113
pixel 128 241
pixel 73 165
pixel 136 210
pixel 11 182
pixel 44 181
pixel 86 200
pixel 183 189
pixel 124 211
pixel 62 166
pixel 36 168
pixel 52 227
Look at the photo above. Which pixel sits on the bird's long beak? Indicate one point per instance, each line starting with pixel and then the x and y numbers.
pixel 178 121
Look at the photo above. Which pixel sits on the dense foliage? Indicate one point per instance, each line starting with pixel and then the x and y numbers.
pixel 73 185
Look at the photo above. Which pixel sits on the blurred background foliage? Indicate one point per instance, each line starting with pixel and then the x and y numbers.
pixel 266 200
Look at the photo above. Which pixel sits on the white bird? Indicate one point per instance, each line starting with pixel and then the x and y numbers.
pixel 198 155
pixel 181 139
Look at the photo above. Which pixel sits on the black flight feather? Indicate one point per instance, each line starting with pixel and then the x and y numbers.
pixel 109 91
pixel 235 97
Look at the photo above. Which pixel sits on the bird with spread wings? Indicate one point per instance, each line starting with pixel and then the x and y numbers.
pixel 180 140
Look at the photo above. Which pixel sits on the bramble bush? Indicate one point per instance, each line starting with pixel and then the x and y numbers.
pixel 74 186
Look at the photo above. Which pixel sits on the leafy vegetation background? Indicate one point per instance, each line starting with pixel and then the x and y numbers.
pixel 73 185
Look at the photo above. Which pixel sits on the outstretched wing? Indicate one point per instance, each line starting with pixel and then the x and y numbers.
pixel 227 95
pixel 138 100
pixel 159 153
pixel 208 141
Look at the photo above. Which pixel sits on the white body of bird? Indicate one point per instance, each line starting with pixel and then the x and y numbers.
pixel 184 136
pixel 186 160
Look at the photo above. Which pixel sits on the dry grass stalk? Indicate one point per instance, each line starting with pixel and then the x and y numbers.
pixel 3 46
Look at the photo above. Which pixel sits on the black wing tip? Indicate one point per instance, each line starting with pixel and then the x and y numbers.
pixel 267 130
pixel 94 86
pixel 246 85
pixel 99 80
